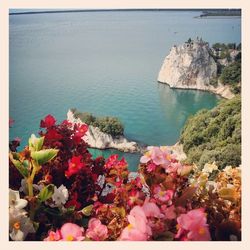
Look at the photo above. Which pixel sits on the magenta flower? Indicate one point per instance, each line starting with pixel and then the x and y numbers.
pixel 163 195
pixel 96 230
pixel 134 196
pixel 151 167
pixel 193 226
pixel 138 229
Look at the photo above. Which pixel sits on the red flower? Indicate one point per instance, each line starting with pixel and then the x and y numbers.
pixel 75 165
pixel 48 122
pixel 80 132
pixel 66 123
pixel 82 129
pixel 73 202
pixel 52 134
pixel 113 161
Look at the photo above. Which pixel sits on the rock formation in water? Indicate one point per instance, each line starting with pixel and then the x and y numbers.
pixel 191 66
pixel 97 139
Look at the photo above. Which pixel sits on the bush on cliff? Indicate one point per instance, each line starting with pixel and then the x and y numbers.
pixel 214 135
pixel 107 124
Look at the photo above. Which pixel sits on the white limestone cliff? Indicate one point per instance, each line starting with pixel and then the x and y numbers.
pixel 190 66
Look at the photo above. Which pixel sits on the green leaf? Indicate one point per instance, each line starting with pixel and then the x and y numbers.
pixel 43 156
pixel 87 210
pixel 35 143
pixel 46 193
pixel 21 167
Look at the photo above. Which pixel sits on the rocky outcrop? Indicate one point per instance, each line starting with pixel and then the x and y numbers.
pixel 190 66
pixel 97 139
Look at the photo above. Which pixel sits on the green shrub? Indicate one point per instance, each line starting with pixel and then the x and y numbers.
pixel 231 74
pixel 214 135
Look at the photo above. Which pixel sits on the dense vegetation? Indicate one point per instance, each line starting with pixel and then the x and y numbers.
pixel 230 72
pixel 107 124
pixel 214 135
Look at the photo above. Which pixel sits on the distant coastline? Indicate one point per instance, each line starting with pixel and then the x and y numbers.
pixel 204 11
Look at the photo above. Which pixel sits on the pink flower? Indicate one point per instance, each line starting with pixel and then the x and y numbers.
pixel 169 212
pixel 147 156
pixel 137 230
pixel 163 195
pixel 71 232
pixel 53 236
pixel 151 167
pixel 157 156
pixel 193 226
pixel 172 167
pixel 151 209
pixel 68 232
pixel 75 165
pixel 96 230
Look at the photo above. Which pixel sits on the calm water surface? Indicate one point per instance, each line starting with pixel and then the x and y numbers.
pixel 106 63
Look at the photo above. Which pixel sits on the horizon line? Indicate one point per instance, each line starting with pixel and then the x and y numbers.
pixel 110 10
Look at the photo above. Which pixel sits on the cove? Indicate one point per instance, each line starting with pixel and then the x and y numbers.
pixel 106 63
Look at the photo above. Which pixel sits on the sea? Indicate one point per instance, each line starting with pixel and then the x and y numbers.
pixel 106 63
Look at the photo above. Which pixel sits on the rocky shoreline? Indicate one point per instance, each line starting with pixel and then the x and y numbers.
pixel 99 140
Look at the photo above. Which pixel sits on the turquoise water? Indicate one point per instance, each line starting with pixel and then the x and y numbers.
pixel 106 63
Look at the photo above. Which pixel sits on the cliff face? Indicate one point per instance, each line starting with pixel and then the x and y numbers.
pixel 97 139
pixel 190 66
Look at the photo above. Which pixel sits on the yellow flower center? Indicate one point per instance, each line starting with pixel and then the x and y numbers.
pixel 51 237
pixel 177 226
pixel 201 231
pixel 130 226
pixel 148 154
pixel 168 157
pixel 70 238
pixel 17 225
pixel 161 193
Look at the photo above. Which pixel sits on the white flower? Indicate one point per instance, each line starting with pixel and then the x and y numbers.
pixel 19 224
pixel 60 196
pixel 209 168
pixel 24 187
pixel 15 201
pixel 228 170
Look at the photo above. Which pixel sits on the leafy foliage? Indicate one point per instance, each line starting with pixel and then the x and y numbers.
pixel 231 74
pixel 214 135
